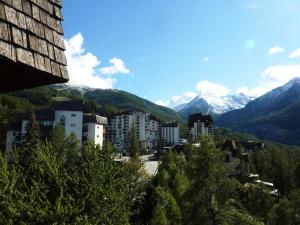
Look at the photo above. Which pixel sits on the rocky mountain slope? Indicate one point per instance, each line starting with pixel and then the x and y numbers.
pixel 214 105
pixel 273 116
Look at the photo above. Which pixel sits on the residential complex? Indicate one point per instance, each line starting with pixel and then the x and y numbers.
pixel 199 125
pixel 70 115
pixel 170 133
pixel 149 130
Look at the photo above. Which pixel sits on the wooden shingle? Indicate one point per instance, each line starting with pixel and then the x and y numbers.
pixel 31 44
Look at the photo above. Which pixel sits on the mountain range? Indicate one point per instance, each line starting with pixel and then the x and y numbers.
pixel 213 105
pixel 273 116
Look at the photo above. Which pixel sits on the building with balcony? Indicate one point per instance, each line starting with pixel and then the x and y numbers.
pixel 170 133
pixel 120 126
pixel 94 129
pixel 199 125
pixel 148 130
pixel 70 115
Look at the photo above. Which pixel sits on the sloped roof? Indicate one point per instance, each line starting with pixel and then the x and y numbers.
pixel 90 118
pixel 31 44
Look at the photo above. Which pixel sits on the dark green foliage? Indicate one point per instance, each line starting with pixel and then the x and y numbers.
pixel 59 143
pixel 40 96
pixel 164 196
pixel 273 116
pixel 116 100
pixel 32 136
pixel 57 182
pixel 258 202
pixel 103 102
pixel 9 106
pixel 297 175
pixel 159 216
pixel 168 203
pixel 134 148
pixel 209 192
pixel 196 190
pixel 277 166
pixel 281 213
pixel 71 188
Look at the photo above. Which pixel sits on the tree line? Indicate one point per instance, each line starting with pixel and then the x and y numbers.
pixel 55 181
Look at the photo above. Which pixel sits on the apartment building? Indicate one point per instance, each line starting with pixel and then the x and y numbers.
pixel 70 115
pixel 120 126
pixel 199 125
pixel 170 133
pixel 148 130
pixel 94 129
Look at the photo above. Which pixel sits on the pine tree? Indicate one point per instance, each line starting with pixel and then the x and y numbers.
pixel 58 141
pixel 134 145
pixel 281 213
pixel 297 176
pixel 283 177
pixel 30 141
pixel 207 196
pixel 159 216
pixel 32 135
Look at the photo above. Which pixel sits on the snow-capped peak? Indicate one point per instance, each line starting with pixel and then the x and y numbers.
pixel 228 103
pixel 217 105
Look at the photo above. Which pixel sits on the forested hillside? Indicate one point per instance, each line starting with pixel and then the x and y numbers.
pixel 273 116
pixel 50 183
pixel 103 102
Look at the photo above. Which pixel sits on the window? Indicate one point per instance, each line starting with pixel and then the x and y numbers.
pixel 62 120
pixel 73 125
pixel 73 115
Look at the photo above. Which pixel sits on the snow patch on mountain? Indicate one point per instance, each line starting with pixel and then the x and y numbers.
pixel 214 104
pixel 228 103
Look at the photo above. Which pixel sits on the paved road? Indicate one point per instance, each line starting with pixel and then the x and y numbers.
pixel 150 166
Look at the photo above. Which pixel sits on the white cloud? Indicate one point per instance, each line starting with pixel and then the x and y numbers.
pixel 206 59
pixel 254 92
pixel 272 77
pixel 276 76
pixel 83 67
pixel 178 100
pixel 295 54
pixel 162 103
pixel 275 50
pixel 117 66
pixel 206 89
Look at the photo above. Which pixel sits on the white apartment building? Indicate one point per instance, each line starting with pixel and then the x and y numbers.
pixel 120 126
pixel 153 131
pixel 94 129
pixel 70 115
pixel 148 130
pixel 200 125
pixel 72 121
pixel 170 133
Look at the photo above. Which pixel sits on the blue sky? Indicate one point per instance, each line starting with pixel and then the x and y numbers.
pixel 172 50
